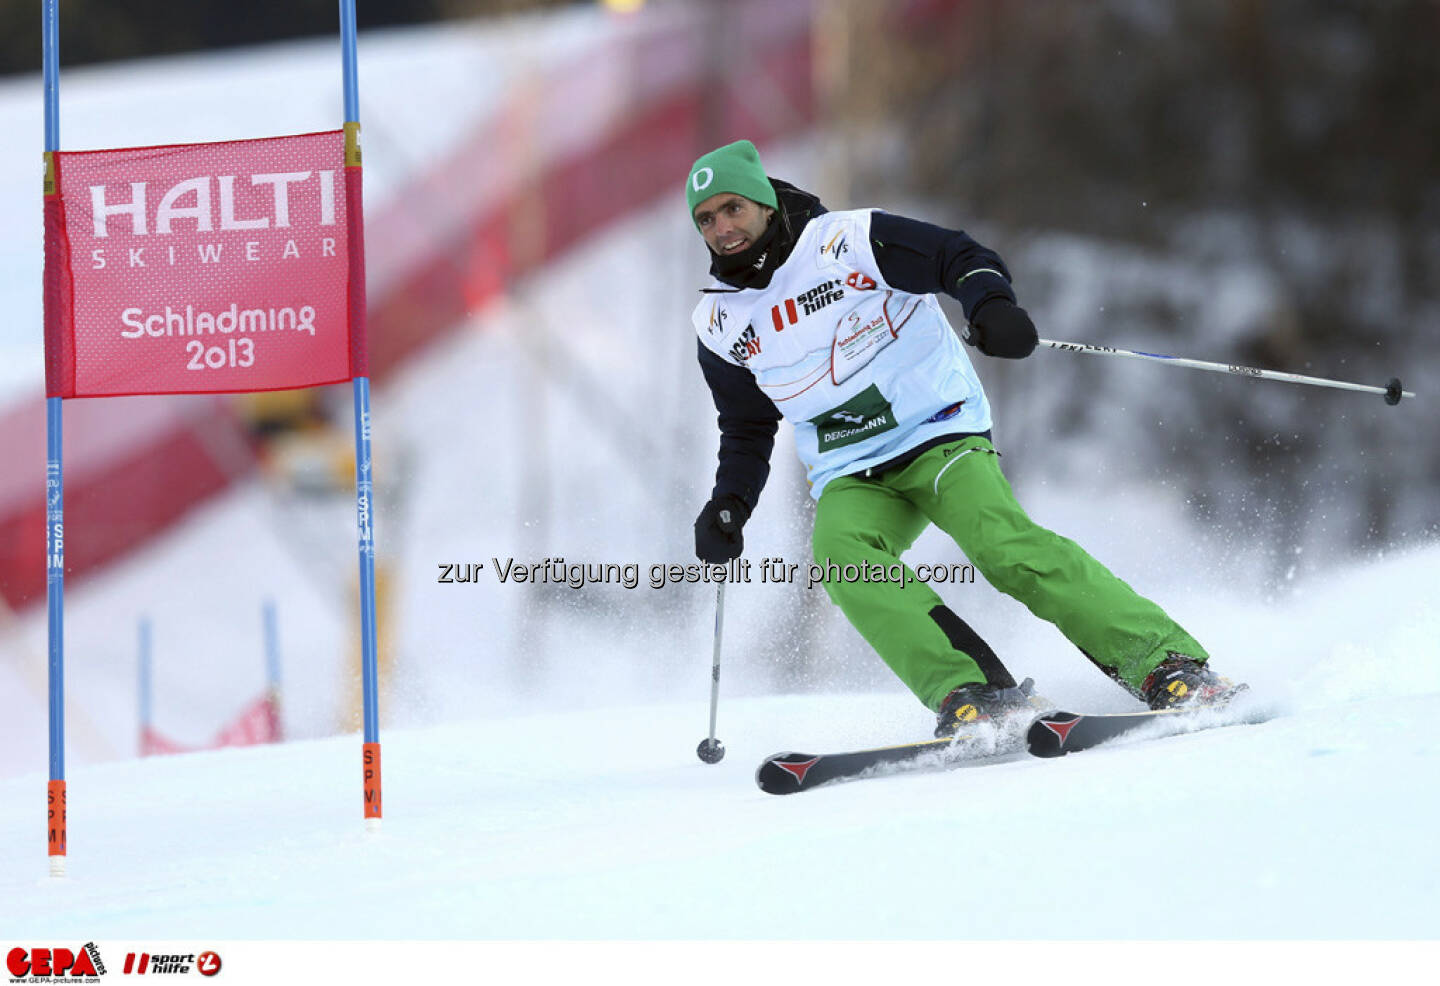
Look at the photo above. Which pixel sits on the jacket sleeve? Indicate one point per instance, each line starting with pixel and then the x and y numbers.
pixel 748 422
pixel 921 258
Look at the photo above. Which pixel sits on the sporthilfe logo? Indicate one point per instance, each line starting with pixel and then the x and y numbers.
pixel 807 303
pixel 143 964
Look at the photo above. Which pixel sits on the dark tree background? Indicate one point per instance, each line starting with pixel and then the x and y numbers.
pixel 106 30
pixel 1247 181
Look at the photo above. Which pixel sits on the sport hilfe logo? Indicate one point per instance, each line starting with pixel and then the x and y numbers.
pixel 790 310
pixel 24 964
pixel 143 963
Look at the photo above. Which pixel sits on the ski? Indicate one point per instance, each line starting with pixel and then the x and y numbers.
pixel 1052 734
pixel 790 773
pixel 1058 733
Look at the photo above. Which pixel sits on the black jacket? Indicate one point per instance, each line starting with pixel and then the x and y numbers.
pixel 913 256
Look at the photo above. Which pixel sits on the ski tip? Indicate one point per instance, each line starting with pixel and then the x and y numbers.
pixel 1047 734
pixel 785 773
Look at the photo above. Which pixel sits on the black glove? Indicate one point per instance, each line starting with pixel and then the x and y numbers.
pixel 1002 328
pixel 717 529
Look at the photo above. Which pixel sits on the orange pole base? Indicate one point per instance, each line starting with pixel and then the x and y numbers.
pixel 55 822
pixel 371 755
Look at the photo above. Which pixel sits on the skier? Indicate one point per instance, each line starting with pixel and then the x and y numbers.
pixel 829 319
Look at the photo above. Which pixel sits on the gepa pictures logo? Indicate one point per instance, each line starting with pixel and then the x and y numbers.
pixel 31 964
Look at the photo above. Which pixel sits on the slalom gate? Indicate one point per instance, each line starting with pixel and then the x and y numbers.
pixel 258 722
pixel 226 267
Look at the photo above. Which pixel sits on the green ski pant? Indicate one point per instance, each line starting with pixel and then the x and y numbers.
pixel 864 524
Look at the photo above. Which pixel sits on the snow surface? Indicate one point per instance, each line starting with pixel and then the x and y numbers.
pixel 601 823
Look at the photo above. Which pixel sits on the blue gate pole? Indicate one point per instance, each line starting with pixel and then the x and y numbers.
pixel 360 386
pixel 272 667
pixel 147 708
pixel 54 490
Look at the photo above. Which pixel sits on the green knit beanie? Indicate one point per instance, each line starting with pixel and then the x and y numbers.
pixel 733 168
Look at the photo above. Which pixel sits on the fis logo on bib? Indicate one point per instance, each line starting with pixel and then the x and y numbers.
pixel 866 414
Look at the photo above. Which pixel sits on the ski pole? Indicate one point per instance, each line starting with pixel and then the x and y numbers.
pixel 1391 391
pixel 711 750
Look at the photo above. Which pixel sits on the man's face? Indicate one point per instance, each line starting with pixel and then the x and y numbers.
pixel 731 223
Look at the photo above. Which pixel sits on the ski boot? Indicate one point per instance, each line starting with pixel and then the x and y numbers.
pixel 1183 682
pixel 981 705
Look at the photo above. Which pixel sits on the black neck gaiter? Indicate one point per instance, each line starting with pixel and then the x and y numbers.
pixel 753 266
